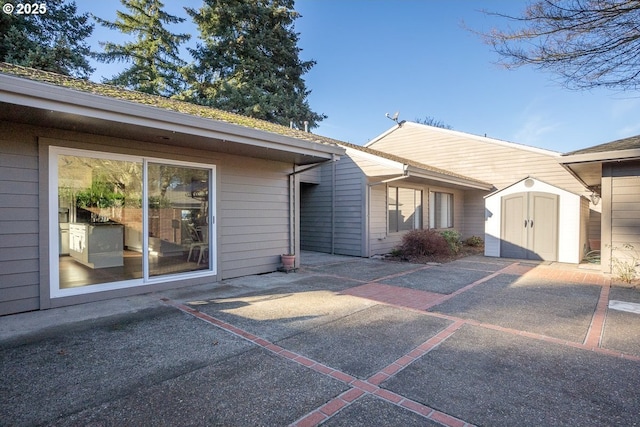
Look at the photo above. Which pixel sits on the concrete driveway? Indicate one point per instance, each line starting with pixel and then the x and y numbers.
pixel 342 342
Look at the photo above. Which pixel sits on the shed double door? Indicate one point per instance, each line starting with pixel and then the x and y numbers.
pixel 530 226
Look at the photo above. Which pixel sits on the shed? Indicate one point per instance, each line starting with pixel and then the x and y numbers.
pixel 532 219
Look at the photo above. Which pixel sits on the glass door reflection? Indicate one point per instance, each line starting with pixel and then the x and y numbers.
pixel 178 218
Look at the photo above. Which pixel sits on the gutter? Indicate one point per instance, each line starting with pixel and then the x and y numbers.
pixel 405 175
pixel 47 96
pixel 601 157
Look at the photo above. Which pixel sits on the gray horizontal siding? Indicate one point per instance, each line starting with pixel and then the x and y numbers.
pixel 316 214
pixel 254 215
pixel 625 208
pixel 19 252
pixel 345 236
pixel 474 212
pixel 349 217
pixel 252 210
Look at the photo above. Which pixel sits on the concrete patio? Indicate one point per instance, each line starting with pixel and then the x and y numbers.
pixel 342 342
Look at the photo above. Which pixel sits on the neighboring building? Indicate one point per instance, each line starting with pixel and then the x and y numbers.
pixel 612 172
pixel 506 166
pixel 363 204
pixel 106 192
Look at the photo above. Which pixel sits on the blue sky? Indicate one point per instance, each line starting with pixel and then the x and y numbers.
pixel 416 57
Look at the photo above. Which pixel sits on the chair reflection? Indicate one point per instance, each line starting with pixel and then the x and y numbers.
pixel 199 243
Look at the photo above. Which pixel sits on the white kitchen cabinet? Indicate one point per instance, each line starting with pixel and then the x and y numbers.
pixel 97 246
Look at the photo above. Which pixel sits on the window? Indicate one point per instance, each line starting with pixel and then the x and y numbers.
pixel 405 209
pixel 121 221
pixel 440 210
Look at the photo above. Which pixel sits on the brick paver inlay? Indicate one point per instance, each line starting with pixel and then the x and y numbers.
pixel 419 300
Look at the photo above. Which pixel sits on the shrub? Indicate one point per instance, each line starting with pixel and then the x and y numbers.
pixel 420 243
pixel 396 252
pixel 454 239
pixel 474 241
pixel 626 266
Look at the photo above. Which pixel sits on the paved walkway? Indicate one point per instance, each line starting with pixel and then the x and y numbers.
pixel 344 341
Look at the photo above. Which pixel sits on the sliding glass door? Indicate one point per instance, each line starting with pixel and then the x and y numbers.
pixel 121 221
pixel 178 213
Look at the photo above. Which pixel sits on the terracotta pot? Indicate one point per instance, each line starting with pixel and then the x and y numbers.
pixel 594 244
pixel 288 261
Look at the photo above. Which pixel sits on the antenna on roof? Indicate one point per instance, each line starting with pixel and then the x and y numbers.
pixel 395 116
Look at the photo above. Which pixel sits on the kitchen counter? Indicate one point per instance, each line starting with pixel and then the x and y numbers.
pixel 97 245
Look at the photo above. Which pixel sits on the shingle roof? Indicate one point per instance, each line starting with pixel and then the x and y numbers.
pixel 158 101
pixel 618 145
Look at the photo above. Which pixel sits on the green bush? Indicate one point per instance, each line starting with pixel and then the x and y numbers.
pixel 474 241
pixel 396 252
pixel 454 240
pixel 420 243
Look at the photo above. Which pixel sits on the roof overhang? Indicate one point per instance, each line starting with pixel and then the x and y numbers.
pixel 389 170
pixel 435 178
pixel 36 103
pixel 587 167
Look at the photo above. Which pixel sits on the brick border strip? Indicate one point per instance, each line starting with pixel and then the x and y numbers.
pixel 536 336
pixel 359 387
pixel 593 338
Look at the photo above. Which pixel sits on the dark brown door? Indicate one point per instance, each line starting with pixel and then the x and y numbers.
pixel 530 226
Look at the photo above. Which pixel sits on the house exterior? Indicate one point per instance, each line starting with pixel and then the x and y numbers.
pixel 364 204
pixel 612 172
pixel 106 192
pixel 506 166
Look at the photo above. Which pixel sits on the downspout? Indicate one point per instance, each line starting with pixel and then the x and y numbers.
pixel 292 242
pixel 333 208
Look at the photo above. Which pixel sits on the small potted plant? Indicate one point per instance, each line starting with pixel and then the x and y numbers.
pixel 288 261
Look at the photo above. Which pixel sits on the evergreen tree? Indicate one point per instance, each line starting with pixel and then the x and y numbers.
pixel 154 55
pixel 248 61
pixel 53 39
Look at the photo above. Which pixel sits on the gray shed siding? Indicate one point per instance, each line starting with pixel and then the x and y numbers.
pixel 19 256
pixel 620 210
pixel 252 212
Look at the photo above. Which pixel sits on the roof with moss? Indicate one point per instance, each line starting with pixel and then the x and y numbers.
pixel 198 111
pixel 170 104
